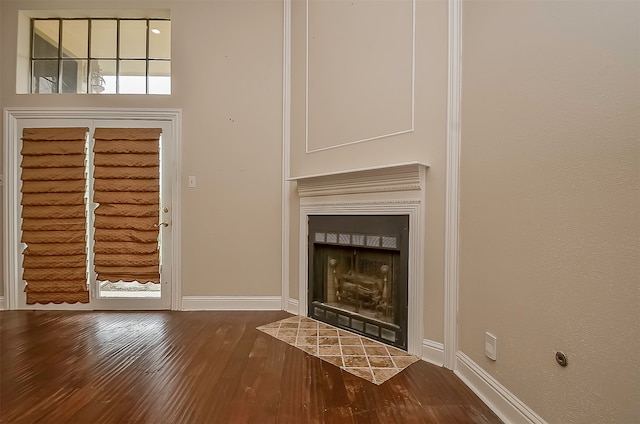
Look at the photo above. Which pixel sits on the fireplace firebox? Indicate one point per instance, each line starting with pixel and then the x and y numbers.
pixel 358 274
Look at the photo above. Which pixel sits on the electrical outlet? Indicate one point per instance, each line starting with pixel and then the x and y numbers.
pixel 490 345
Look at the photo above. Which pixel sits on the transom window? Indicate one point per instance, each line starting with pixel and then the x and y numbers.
pixel 100 56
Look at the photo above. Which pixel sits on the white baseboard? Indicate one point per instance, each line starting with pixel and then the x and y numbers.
pixel 231 303
pixel 3 305
pixel 505 404
pixel 293 306
pixel 433 352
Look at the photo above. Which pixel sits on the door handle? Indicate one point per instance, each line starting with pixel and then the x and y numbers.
pixel 162 224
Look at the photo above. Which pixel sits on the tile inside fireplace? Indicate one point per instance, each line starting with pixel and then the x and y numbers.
pixel 358 271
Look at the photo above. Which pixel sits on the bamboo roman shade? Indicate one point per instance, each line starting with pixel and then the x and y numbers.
pixel 127 191
pixel 53 215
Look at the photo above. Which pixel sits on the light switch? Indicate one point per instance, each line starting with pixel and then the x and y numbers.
pixel 192 181
pixel 490 345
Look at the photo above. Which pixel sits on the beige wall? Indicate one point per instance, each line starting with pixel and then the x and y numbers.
pixel 227 79
pixel 344 36
pixel 550 213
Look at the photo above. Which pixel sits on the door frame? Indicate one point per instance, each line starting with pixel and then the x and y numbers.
pixel 11 193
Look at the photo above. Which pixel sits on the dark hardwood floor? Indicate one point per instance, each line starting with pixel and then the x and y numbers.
pixel 200 368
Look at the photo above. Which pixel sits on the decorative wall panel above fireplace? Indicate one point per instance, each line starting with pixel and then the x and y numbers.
pixel 365 260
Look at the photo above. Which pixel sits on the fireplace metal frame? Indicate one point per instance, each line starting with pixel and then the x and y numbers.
pixel 394 227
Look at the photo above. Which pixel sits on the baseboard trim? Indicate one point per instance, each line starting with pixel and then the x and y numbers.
pixel 433 352
pixel 3 305
pixel 293 306
pixel 231 303
pixel 505 404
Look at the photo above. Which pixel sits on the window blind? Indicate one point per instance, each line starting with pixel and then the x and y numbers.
pixel 127 191
pixel 53 215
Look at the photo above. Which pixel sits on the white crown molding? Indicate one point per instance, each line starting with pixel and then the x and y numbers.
pixel 413 85
pixel 373 188
pixel 389 178
pixel 433 352
pixel 91 113
pixel 505 404
pixel 232 303
pixel 354 170
pixel 358 205
pixel 12 116
pixel 452 190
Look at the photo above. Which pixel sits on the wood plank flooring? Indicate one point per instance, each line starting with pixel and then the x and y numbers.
pixel 200 368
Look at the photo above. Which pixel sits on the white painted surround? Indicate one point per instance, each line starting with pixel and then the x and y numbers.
pixel 389 190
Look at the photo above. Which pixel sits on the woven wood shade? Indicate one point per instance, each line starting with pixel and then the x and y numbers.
pixel 127 190
pixel 53 215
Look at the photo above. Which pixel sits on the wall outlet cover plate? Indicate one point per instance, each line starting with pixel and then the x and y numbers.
pixel 490 345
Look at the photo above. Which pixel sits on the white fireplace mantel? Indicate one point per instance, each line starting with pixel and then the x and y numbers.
pixel 397 189
pixel 388 178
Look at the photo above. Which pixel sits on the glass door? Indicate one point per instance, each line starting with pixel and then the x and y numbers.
pixel 140 292
pixel 103 293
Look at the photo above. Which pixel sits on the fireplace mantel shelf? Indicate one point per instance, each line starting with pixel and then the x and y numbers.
pixel 395 177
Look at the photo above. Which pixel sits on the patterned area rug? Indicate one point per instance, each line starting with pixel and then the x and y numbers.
pixel 375 362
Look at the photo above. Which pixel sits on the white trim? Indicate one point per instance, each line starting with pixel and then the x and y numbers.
pixel 231 303
pixel 387 178
pixel 293 306
pixel 413 85
pixel 286 155
pixel 452 212
pixel 176 218
pixel 397 200
pixel 11 193
pixel 505 404
pixel 433 352
pixel 3 305
pixel 368 168
pixel 10 214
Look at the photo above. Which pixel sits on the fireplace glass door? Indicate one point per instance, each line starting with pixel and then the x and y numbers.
pixel 358 274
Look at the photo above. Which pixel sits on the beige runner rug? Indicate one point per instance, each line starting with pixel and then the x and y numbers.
pixel 374 361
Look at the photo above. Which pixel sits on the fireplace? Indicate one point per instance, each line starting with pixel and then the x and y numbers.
pixel 358 274
pixel 362 211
